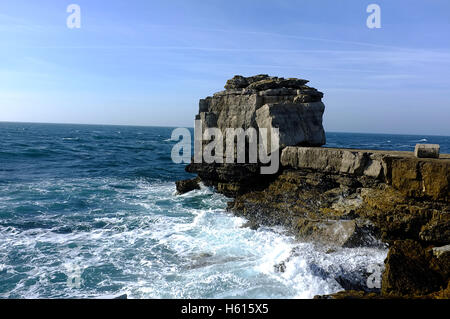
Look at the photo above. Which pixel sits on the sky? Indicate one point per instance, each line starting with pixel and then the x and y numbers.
pixel 148 62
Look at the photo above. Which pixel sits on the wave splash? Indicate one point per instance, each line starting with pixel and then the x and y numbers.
pixel 144 241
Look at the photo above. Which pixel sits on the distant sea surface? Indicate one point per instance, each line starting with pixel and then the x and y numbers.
pixel 91 211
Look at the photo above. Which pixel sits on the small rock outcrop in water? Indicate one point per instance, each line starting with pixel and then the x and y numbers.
pixel 187 185
pixel 338 197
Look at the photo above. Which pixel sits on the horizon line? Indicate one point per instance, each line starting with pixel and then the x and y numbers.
pixel 191 127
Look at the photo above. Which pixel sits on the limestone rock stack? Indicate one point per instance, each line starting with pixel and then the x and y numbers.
pixel 260 101
pixel 264 101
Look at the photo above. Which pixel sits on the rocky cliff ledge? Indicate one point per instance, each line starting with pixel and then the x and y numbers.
pixel 355 198
pixel 343 197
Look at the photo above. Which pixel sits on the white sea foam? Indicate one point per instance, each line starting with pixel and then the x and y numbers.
pixel 162 246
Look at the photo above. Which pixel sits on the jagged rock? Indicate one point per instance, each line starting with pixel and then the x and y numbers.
pixel 305 98
pixel 439 252
pixel 392 213
pixel 408 271
pixel 230 179
pixel 187 185
pixel 263 82
pixel 440 262
pixel 237 82
pixel 256 78
pixel 437 229
pixel 320 186
pixel 302 203
pixel 293 83
pixel 421 178
pixel 240 82
pixel 341 233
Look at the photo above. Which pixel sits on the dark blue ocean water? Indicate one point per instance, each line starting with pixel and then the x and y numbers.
pixel 90 211
pixel 386 141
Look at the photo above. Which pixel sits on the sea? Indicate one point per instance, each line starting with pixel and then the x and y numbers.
pixel 90 211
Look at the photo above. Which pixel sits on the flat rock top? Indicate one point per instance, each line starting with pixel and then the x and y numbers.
pixel 387 153
pixel 263 82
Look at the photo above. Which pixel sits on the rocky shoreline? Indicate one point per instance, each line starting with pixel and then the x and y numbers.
pixel 336 197
pixel 355 198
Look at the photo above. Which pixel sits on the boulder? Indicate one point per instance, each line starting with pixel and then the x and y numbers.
pixel 437 230
pixel 427 150
pixel 443 251
pixel 187 185
pixel 265 84
pixel 408 271
pixel 332 160
pixel 237 82
pixel 420 178
pixel 340 233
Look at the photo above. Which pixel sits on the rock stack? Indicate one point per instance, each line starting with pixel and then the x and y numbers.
pixel 260 101
pixel 264 101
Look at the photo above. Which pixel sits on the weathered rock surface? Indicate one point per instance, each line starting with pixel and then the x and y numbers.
pixel 338 161
pixel 262 101
pixel 291 119
pixel 441 252
pixel 412 270
pixel 427 150
pixel 230 179
pixel 302 202
pixel 361 197
pixel 263 82
pixel 257 102
pixel 419 178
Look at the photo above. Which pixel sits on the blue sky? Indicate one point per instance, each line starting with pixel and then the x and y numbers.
pixel 144 62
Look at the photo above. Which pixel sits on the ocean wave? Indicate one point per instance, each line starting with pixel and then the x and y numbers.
pixel 167 248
